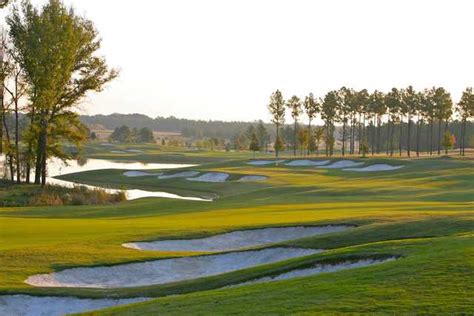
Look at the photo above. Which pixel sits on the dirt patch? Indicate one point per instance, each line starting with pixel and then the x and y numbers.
pixel 238 239
pixel 165 270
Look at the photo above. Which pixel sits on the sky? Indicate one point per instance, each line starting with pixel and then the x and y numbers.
pixel 221 60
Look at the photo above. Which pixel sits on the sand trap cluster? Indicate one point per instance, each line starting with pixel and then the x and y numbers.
pixel 184 174
pixel 211 177
pixel 264 162
pixel 320 268
pixel 307 163
pixel 374 168
pixel 252 178
pixel 133 174
pixel 342 164
pixel 25 305
pixel 238 239
pixel 165 270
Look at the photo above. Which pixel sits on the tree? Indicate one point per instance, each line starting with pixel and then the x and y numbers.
pixel 294 105
pixel 4 3
pixel 318 135
pixel 378 109
pixel 276 108
pixel 448 142
pixel 393 102
pixel 312 108
pixel 346 106
pixel 254 144
pixel 410 105
pixel 57 51
pixel 329 114
pixel 122 134
pixel 262 135
pixel 145 135
pixel 465 108
pixel 443 110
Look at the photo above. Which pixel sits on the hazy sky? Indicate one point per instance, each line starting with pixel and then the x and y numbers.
pixel 222 59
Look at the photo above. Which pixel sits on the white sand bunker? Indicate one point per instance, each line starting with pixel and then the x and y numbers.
pixel 374 168
pixel 320 268
pixel 133 174
pixel 238 239
pixel 184 174
pixel 25 305
pixel 118 152
pixel 166 270
pixel 307 163
pixel 341 164
pixel 211 177
pixel 264 162
pixel 252 178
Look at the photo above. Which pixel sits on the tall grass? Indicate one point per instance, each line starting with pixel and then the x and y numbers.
pixel 29 195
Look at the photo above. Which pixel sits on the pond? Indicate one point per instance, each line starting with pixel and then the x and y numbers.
pixel 56 167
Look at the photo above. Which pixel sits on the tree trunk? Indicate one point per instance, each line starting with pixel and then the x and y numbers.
pixel 309 137
pixel 344 136
pixel 294 140
pixel 418 130
pixel 445 131
pixel 401 135
pixel 409 135
pixel 17 143
pixel 392 135
pixel 439 136
pixel 276 140
pixel 431 136
pixel 41 152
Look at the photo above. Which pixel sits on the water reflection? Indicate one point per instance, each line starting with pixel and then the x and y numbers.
pixel 56 167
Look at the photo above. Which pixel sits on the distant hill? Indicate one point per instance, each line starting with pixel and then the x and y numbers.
pixel 188 128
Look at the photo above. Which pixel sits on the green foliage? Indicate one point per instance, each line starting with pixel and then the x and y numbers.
pixel 254 143
pixel 449 140
pixel 125 134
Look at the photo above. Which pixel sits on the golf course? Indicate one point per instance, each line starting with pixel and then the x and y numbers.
pixel 384 241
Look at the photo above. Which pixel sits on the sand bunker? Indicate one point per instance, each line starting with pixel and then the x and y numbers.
pixel 184 174
pixel 320 268
pixel 211 177
pixel 118 152
pixel 165 270
pixel 133 174
pixel 238 239
pixel 307 163
pixel 252 178
pixel 341 164
pixel 264 162
pixel 374 168
pixel 25 305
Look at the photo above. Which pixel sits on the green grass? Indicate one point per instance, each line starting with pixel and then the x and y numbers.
pixel 422 213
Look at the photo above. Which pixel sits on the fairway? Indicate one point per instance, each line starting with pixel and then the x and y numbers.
pixel 421 214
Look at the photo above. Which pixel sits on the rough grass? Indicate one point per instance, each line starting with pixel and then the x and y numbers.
pixel 12 194
pixel 423 213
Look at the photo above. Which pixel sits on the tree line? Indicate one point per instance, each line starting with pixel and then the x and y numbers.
pixel 48 63
pixel 401 120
